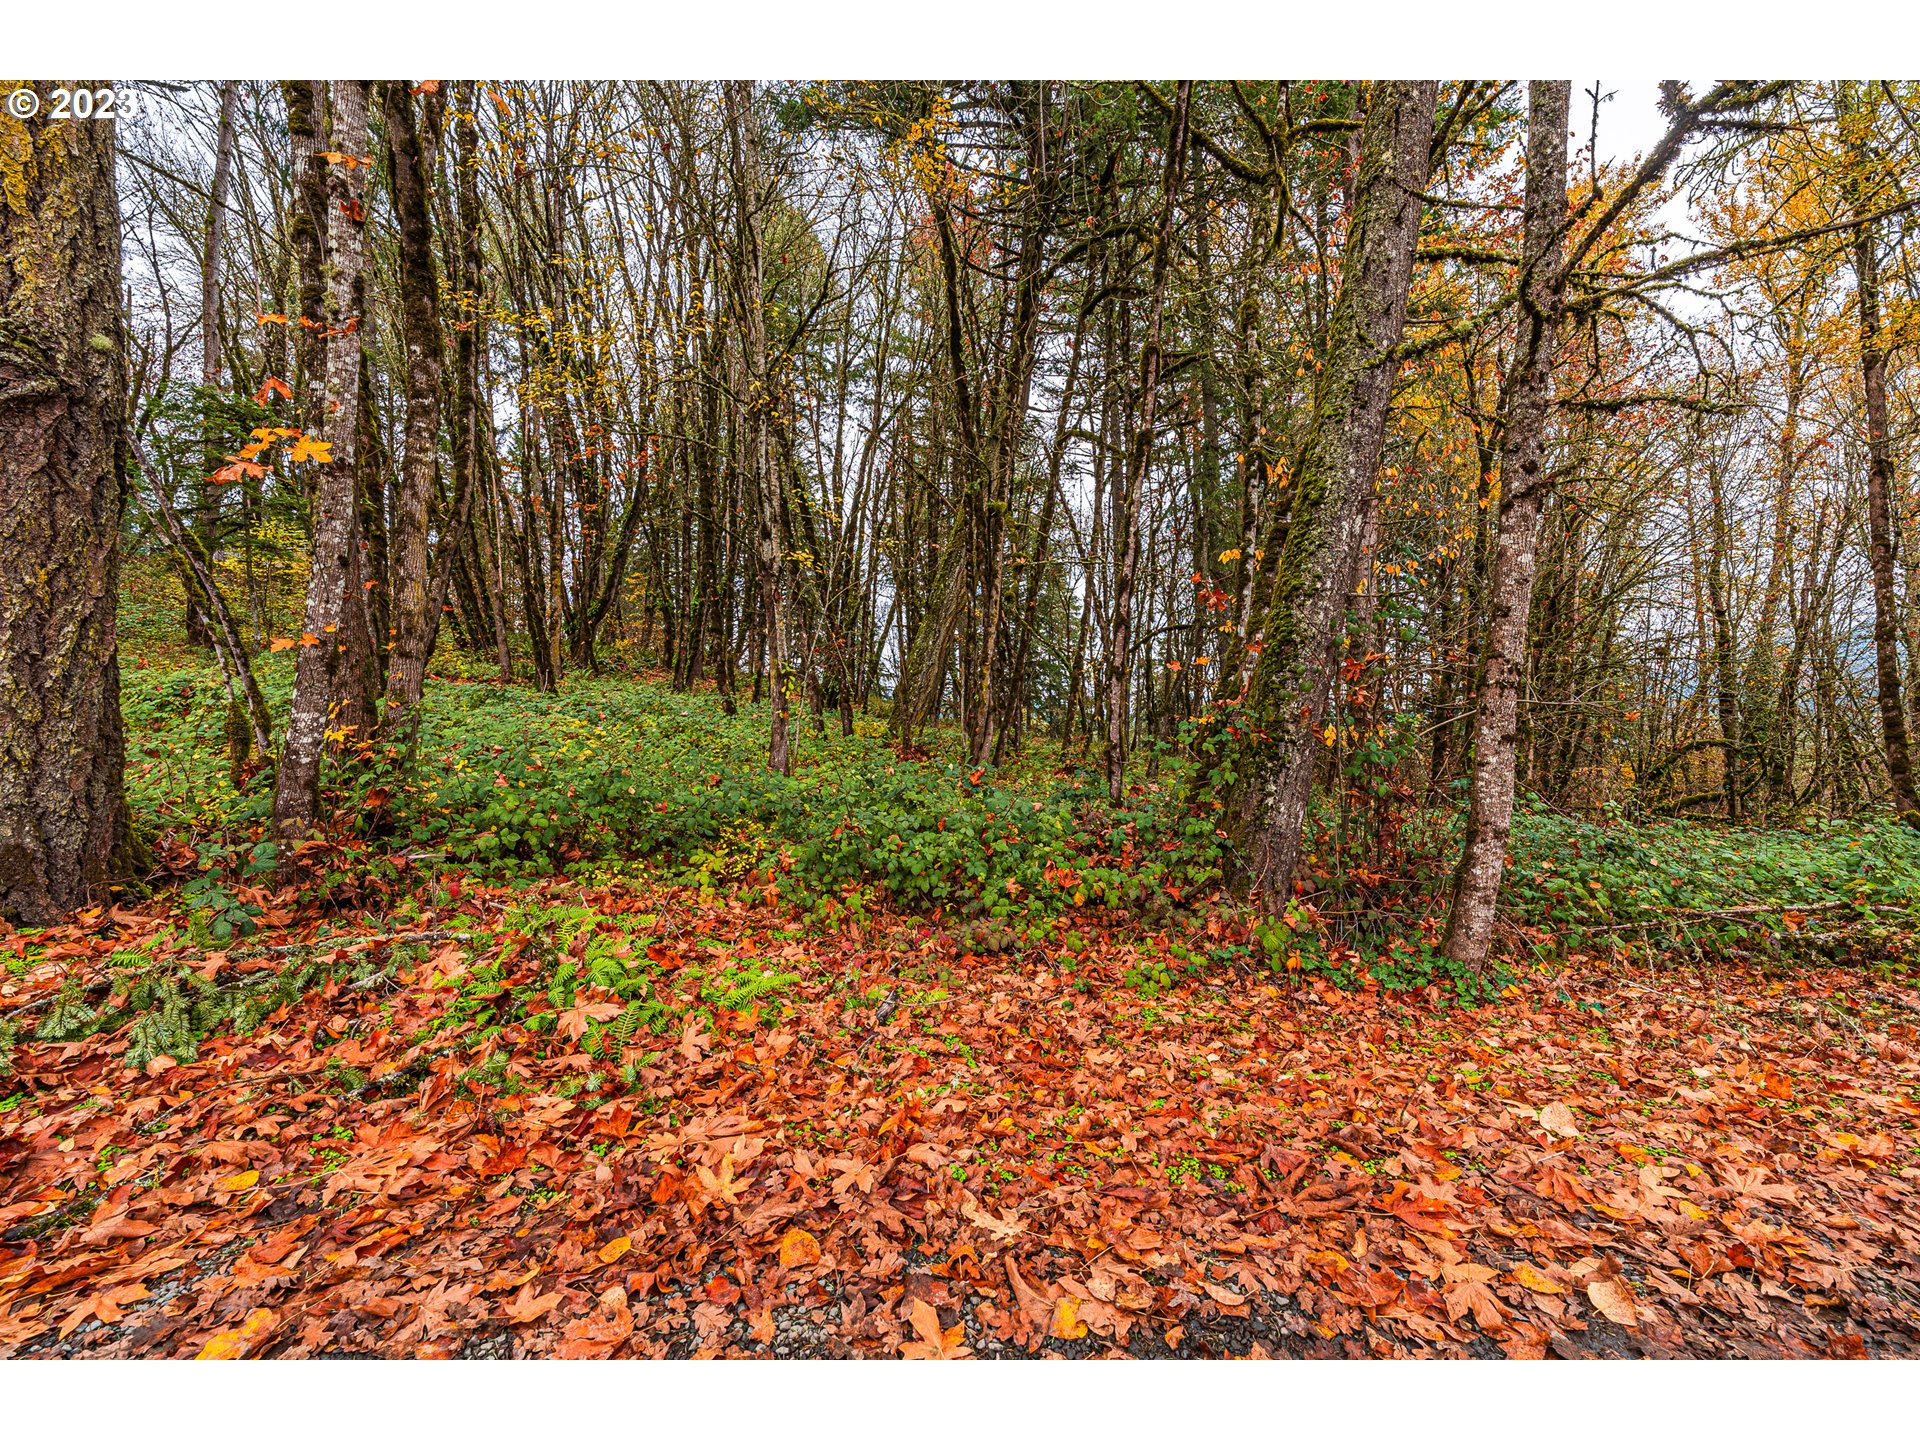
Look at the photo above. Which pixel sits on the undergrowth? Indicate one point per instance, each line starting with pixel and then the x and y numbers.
pixel 617 777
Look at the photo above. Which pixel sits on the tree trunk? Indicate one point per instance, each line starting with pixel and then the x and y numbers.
pixel 1134 478
pixel 412 615
pixel 296 796
pixel 306 102
pixel 1523 486
pixel 1880 489
pixel 750 290
pixel 1339 458
pixel 206 510
pixel 63 388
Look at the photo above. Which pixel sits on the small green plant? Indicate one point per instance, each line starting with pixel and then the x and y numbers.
pixel 1150 977
pixel 215 913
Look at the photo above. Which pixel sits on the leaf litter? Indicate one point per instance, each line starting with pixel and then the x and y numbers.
pixel 1005 1157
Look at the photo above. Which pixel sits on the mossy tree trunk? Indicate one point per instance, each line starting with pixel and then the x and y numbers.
pixel 1337 462
pixel 63 461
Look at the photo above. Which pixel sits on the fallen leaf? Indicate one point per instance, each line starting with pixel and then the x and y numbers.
pixel 236 1343
pixel 934 1343
pixel 1000 1229
pixel 798 1248
pixel 526 1307
pixel 573 1023
pixel 1535 1281
pixel 1067 1324
pixel 1614 1300
pixel 1557 1119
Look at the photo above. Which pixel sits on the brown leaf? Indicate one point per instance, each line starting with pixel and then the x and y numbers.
pixel 573 1023
pixel 1557 1119
pixel 526 1307
pixel 1614 1300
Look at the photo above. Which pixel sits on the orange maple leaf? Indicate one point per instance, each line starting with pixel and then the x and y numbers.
pixel 934 1343
pixel 273 385
pixel 308 448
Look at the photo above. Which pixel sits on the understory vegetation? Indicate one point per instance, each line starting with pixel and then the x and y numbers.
pixel 618 777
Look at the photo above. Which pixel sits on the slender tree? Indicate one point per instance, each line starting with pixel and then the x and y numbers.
pixel 296 795
pixel 1523 484
pixel 413 618
pixel 1854 120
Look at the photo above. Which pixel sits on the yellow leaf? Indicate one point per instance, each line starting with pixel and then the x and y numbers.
pixel 1067 1324
pixel 798 1248
pixel 233 1184
pixel 1535 1281
pixel 1227 557
pixel 615 1248
pixel 308 448
pixel 282 643
pixel 234 1344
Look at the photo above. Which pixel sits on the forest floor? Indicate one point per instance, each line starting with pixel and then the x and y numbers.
pixel 880 1144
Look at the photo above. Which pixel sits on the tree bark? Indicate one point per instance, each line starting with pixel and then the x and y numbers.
pixel 411 614
pixel 296 796
pixel 1134 478
pixel 1880 487
pixel 206 510
pixel 1338 459
pixel 750 291
pixel 1523 487
pixel 306 103
pixel 64 829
